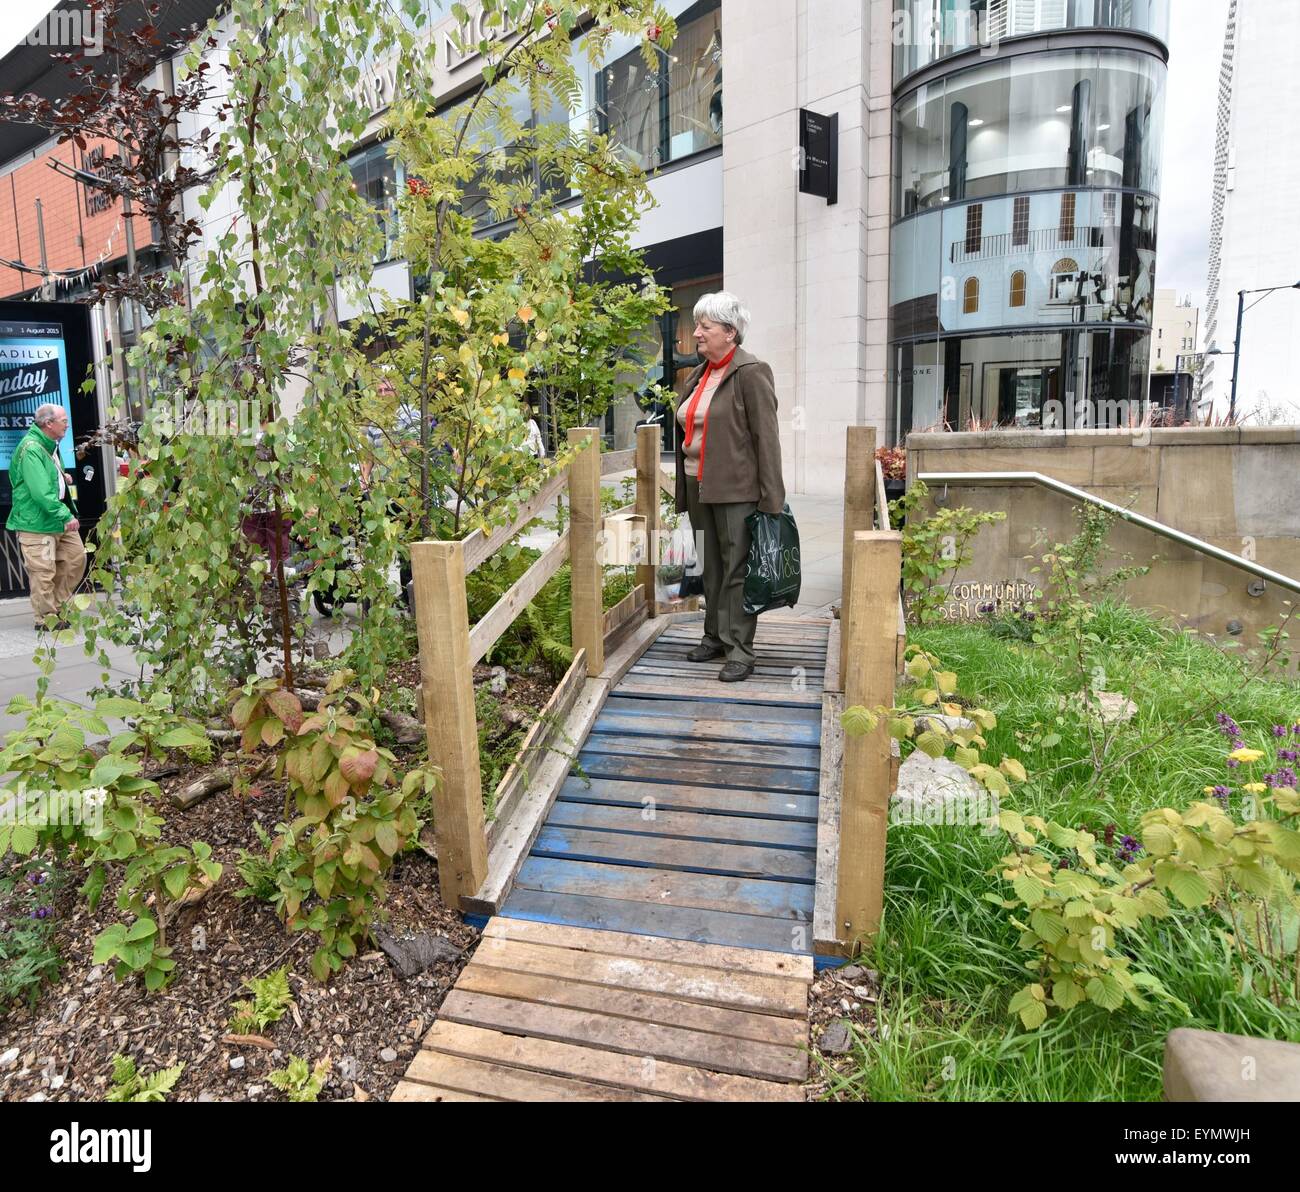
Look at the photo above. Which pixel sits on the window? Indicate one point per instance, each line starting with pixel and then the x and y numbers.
pixel 974 227
pixel 672 111
pixel 1109 206
pixel 1018 286
pixel 1020 222
pixel 971 296
pixel 376 177
pixel 1067 218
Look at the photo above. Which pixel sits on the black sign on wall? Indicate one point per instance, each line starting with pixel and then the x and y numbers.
pixel 819 154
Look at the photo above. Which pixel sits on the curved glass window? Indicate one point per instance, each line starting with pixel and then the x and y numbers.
pixel 926 30
pixel 1058 120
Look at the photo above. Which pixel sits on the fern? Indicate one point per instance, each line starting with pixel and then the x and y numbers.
pixel 299 1083
pixel 271 1001
pixel 128 1085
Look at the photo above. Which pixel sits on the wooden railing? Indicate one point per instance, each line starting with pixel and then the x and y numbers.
pixel 449 646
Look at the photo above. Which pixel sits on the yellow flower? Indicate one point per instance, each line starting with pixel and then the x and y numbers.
pixel 1246 755
pixel 1255 788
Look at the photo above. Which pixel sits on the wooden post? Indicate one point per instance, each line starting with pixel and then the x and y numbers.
pixel 587 617
pixel 872 635
pixel 647 506
pixel 450 723
pixel 859 514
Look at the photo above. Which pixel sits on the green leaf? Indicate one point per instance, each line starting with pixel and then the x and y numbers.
pixel 1105 992
pixel 1066 993
pixel 1189 887
pixel 142 929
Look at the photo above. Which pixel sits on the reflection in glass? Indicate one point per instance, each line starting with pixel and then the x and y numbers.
pixel 376 177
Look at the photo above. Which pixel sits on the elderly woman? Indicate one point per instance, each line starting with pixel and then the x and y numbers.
pixel 728 465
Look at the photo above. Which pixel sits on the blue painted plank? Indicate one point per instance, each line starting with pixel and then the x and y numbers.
pixel 702 728
pixel 668 922
pixel 669 852
pixel 707 800
pixel 747 896
pixel 687 747
pixel 699 773
pixel 721 701
pixel 684 825
pixel 645 703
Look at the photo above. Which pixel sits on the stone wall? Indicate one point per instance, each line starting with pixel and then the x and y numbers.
pixel 1236 488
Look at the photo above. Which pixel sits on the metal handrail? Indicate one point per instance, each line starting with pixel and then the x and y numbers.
pixel 1128 515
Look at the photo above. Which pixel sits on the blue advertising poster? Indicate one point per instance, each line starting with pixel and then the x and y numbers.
pixel 33 371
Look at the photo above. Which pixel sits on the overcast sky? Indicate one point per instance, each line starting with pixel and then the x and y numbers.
pixel 1195 51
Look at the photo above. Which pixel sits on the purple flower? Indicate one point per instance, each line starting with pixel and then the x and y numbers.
pixel 39 913
pixel 1288 755
pixel 1238 743
pixel 1279 730
pixel 1221 793
pixel 36 877
pixel 1233 763
pixel 1129 847
pixel 1286 777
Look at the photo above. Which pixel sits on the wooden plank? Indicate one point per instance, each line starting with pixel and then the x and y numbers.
pixel 629 650
pixel 623 610
pixel 778 659
pixel 859 514
pixel 682 1081
pixel 739 1057
pixel 699 773
pixel 882 499
pixel 684 923
pixel 706 800
pixel 902 639
pixel 826 937
pixel 485 1078
pixel 773 1029
pixel 617 461
pixel 721 710
pixel 450 724
pixel 813 636
pixel 767 672
pixel 668 852
pixel 513 839
pixel 532 750
pixel 586 616
pixel 648 440
pixel 679 647
pixel 667 483
pixel 619 943
pixel 868 681
pixel 720 829
pixel 831 679
pixel 409 1090
pixel 689 679
pixel 713 689
pixel 479 547
pixel 743 896
pixel 492 624
pixel 692 748
pixel 624 631
pixel 648 974
pixel 768 732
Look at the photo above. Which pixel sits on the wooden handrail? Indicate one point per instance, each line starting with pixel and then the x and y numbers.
pixel 617 461
pixel 882 499
pixel 489 627
pixel 480 547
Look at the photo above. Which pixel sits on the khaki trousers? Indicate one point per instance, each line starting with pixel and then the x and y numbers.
pixel 720 529
pixel 55 565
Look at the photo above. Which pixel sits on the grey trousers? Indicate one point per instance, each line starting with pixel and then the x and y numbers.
pixel 725 538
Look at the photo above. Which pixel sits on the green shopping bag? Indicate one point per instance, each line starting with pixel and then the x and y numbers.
pixel 772 573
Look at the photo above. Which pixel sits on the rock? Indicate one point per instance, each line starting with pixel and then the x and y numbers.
pixel 936 720
pixel 255 1090
pixel 936 790
pixel 850 972
pixel 95 974
pixel 1208 1066
pixel 9 1058
pixel 69 1010
pixel 388 1055
pixel 37 1097
pixel 412 954
pixel 236 1062
pixel 320 649
pixel 836 1039
pixel 1110 707
pixel 861 991
pixel 205 1096
pixel 119 1022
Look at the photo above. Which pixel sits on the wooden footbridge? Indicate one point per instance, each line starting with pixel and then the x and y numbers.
pixel 671 855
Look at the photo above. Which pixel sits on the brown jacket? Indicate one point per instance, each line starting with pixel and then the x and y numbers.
pixel 740 459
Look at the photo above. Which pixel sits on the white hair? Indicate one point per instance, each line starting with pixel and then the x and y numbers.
pixel 724 307
pixel 47 412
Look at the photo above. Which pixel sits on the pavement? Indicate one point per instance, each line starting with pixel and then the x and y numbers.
pixel 820 521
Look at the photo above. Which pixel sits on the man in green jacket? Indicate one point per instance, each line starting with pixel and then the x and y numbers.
pixel 44 517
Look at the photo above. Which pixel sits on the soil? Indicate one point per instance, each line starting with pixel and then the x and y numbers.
pixel 849 994
pixel 362 1014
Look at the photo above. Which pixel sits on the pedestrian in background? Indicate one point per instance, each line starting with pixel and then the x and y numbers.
pixel 44 516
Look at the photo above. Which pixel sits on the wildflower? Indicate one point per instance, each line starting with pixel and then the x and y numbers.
pixel 1258 788
pixel 36 877
pixel 1129 848
pixel 1279 730
pixel 1242 754
pixel 1232 764
pixel 1288 755
pixel 1286 777
pixel 40 912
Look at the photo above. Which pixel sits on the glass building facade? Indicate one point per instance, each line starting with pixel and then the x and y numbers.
pixel 1025 195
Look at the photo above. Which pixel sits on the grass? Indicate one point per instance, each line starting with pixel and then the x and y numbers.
pixel 948 960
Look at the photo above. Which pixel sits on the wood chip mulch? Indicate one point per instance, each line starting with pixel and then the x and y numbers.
pixel 842 1008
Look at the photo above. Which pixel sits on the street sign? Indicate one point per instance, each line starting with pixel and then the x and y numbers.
pixel 819 154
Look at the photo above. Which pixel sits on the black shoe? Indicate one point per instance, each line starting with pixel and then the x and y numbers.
pixel 734 672
pixel 703 653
